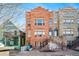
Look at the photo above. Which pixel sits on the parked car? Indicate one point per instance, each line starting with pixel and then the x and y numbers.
pixel 70 44
pixel 76 43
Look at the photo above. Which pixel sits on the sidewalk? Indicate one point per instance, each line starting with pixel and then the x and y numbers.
pixel 38 53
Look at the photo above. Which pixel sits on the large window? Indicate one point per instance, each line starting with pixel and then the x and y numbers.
pixel 68 21
pixel 39 21
pixel 39 33
pixel 68 32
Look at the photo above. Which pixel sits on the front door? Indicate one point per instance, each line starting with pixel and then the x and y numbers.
pixel 22 39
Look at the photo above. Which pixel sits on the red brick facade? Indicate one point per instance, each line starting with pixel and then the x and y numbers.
pixel 36 13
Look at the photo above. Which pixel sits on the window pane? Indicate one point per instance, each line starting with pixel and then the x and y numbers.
pixel 78 21
pixel 68 32
pixel 50 22
pixel 39 33
pixel 39 22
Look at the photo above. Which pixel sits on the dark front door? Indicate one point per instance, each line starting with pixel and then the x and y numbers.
pixel 22 39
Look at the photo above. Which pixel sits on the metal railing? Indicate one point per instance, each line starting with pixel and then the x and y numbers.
pixel 43 44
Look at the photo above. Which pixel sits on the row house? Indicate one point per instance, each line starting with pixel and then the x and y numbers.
pixel 42 24
pixel 39 25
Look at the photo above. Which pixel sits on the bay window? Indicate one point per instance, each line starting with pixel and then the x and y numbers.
pixel 39 21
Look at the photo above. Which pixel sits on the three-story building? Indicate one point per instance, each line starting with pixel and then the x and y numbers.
pixel 39 25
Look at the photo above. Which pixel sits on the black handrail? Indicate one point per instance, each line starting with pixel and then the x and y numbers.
pixel 44 43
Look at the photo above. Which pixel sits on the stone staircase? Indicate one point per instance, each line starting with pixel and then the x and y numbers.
pixel 61 42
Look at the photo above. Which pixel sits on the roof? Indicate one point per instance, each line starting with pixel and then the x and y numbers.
pixel 69 8
pixel 8 22
pixel 39 8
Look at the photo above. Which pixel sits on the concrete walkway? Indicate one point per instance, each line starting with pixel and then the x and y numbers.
pixel 38 53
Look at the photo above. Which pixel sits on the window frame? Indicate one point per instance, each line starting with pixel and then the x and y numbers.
pixel 50 22
pixel 39 33
pixel 39 21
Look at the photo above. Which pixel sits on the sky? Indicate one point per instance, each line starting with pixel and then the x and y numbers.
pixel 50 6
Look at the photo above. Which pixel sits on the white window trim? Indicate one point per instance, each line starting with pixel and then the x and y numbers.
pixel 39 32
pixel 36 20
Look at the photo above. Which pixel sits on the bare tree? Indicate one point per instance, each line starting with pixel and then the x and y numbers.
pixel 9 12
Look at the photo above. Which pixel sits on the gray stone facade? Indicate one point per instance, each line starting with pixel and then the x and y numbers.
pixel 68 25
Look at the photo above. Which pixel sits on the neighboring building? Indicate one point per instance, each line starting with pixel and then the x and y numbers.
pixel 68 23
pixel 39 25
pixel 9 33
pixel 78 21
pixel 56 23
